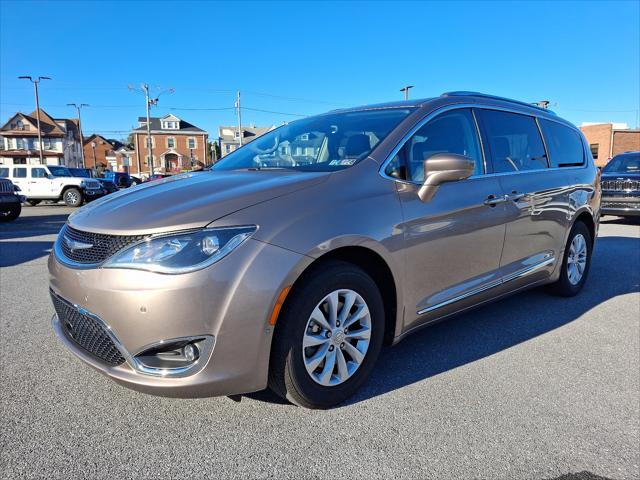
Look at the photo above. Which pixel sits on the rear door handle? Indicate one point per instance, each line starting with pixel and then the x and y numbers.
pixel 493 200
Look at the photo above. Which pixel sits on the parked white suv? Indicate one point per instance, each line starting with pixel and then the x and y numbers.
pixel 51 182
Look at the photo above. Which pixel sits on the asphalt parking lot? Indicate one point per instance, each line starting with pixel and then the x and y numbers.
pixel 531 387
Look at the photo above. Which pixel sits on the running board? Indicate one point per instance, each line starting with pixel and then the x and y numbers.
pixel 519 274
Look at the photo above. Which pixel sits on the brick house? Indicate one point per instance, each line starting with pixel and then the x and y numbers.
pixel 606 140
pixel 98 151
pixel 60 140
pixel 176 145
pixel 229 137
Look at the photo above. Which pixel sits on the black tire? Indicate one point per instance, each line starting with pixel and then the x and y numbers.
pixel 72 197
pixel 288 376
pixel 563 286
pixel 33 203
pixel 11 213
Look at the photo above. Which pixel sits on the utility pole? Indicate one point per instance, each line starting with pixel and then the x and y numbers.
pixel 239 118
pixel 144 88
pixel 406 91
pixel 35 84
pixel 78 107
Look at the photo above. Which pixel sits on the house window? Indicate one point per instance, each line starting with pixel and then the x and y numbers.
pixel 171 142
pixel 304 137
pixel 191 143
pixel 236 135
pixel 594 147
pixel 150 142
pixel 170 125
pixel 227 148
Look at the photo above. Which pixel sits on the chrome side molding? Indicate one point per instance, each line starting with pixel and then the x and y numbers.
pixel 519 274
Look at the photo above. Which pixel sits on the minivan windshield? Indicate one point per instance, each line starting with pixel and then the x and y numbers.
pixel 623 164
pixel 322 143
pixel 59 171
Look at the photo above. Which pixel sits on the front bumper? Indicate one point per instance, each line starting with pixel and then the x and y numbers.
pixel 93 193
pixel 620 204
pixel 230 301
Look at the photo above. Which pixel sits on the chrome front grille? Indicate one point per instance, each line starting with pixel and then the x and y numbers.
pixel 87 332
pixel 89 248
pixel 621 185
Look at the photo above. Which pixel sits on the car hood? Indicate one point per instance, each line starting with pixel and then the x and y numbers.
pixel 620 175
pixel 186 201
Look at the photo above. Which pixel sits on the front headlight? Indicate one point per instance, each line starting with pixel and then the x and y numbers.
pixel 182 252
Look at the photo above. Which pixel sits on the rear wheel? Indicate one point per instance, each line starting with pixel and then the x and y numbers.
pixel 576 262
pixel 10 212
pixel 328 337
pixel 72 197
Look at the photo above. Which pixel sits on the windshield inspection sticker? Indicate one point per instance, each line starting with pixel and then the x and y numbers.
pixel 348 161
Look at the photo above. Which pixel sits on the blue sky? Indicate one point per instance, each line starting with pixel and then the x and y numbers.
pixel 306 58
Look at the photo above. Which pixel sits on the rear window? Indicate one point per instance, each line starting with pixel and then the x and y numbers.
pixel 514 142
pixel 563 143
pixel 20 172
pixel 4 172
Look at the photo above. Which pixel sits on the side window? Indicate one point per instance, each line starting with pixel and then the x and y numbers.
pixel 451 132
pixel 38 173
pixel 20 172
pixel 514 141
pixel 564 144
pixel 4 172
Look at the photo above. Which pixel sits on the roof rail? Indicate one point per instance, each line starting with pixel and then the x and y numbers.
pixel 463 93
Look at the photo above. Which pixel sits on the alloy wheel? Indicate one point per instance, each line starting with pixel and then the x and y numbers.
pixel 336 337
pixel 577 259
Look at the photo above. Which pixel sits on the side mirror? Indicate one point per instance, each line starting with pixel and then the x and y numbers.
pixel 441 168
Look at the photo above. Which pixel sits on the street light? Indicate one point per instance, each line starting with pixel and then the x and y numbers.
pixel 406 91
pixel 35 84
pixel 78 107
pixel 144 88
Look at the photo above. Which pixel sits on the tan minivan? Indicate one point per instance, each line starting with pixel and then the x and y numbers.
pixel 295 258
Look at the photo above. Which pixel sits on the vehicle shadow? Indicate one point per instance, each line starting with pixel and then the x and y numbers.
pixel 500 325
pixel 32 226
pixel 15 253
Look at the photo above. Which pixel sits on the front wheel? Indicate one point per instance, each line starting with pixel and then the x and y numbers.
pixel 10 213
pixel 575 263
pixel 328 336
pixel 72 197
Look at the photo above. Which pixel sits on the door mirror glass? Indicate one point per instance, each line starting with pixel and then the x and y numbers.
pixel 441 168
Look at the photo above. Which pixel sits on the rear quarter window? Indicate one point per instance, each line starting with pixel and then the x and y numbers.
pixel 563 144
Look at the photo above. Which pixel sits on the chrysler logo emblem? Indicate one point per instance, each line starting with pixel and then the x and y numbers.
pixel 75 245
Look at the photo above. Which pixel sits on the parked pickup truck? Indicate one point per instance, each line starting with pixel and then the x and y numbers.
pixel 51 182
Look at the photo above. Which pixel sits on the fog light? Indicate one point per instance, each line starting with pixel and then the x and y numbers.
pixel 190 352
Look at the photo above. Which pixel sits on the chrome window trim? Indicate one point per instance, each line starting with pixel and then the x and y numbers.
pixel 131 360
pixel 474 106
pixel 508 278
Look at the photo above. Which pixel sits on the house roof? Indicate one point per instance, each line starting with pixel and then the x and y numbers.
pixel 48 125
pixel 94 137
pixel 248 133
pixel 156 126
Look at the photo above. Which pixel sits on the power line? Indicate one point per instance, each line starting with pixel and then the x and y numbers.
pixel 279 113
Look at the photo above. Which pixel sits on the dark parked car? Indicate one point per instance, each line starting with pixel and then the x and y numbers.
pixel 122 179
pixel 621 185
pixel 10 201
pixel 108 185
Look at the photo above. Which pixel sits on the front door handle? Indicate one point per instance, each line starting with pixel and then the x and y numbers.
pixel 493 200
pixel 514 197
